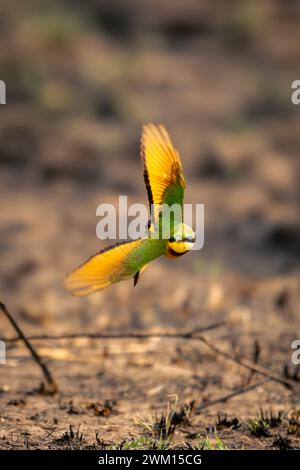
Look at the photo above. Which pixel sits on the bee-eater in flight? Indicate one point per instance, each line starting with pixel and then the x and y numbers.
pixel 165 185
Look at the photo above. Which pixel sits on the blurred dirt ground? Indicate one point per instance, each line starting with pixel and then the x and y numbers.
pixel 81 80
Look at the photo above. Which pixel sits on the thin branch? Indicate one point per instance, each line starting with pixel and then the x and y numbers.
pixel 191 335
pixel 52 387
pixel 247 364
pixel 227 397
pixel 117 335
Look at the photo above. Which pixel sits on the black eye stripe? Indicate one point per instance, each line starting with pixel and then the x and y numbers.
pixel 186 239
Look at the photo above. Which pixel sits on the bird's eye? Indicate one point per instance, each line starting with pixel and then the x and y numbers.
pixel 175 239
pixel 190 238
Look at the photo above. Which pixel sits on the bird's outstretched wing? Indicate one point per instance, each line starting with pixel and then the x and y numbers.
pixel 115 263
pixel 163 173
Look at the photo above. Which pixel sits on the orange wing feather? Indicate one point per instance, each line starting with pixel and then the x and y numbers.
pixel 105 268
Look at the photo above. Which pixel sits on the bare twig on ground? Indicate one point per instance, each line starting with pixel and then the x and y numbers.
pixel 225 398
pixel 191 335
pixel 247 364
pixel 117 335
pixel 51 385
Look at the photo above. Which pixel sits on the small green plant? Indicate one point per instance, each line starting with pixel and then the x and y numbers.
pixel 142 442
pixel 162 429
pixel 207 444
pixel 259 427
pixel 164 426
pixel 132 444
pixel 161 432
pixel 272 419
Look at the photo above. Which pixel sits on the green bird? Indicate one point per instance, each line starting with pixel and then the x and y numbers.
pixel 165 185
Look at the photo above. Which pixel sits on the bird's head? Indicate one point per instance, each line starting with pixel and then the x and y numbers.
pixel 181 241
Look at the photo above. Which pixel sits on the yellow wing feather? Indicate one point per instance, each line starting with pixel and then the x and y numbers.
pixel 162 164
pixel 102 270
